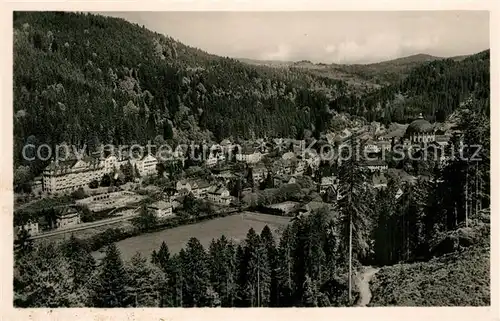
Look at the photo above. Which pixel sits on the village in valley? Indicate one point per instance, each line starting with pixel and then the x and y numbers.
pixel 160 165
pixel 285 177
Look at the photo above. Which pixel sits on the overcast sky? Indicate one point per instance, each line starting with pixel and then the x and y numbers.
pixel 329 37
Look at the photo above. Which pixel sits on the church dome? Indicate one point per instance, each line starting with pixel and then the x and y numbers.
pixel 419 125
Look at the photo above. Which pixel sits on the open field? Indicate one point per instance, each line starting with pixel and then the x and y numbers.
pixel 233 226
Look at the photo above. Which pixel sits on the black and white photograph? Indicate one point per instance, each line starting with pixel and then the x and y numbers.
pixel 237 159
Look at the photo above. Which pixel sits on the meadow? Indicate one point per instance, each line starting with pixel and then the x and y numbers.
pixel 234 227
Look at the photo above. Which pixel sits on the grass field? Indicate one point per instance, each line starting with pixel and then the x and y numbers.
pixel 233 226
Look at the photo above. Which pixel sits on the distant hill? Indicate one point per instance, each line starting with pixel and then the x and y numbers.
pixel 434 88
pixel 362 76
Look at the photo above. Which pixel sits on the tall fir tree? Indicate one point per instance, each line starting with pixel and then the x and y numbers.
pixel 82 264
pixel 352 206
pixel 147 283
pixel 196 274
pixel 111 288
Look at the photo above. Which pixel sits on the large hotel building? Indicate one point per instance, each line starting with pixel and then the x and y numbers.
pixel 66 176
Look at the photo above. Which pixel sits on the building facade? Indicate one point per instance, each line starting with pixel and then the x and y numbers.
pixel 147 166
pixel 31 227
pixel 68 217
pixel 219 195
pixel 328 182
pixel 67 176
pixel 162 209
pixel 420 131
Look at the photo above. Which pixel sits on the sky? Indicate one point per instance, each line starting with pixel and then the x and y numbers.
pixel 327 37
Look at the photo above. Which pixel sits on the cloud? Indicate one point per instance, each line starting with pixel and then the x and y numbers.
pixel 283 52
pixel 377 48
pixel 329 37
pixel 374 48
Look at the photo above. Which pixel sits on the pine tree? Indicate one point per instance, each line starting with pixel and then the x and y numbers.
pixel 263 275
pixel 231 289
pixel 82 264
pixel 310 296
pixel 165 263
pixel 146 219
pixel 196 274
pixel 255 273
pixel 384 233
pixel 284 268
pixel 222 266
pixel 147 284
pixel 176 279
pixel 111 289
pixel 252 276
pixel 269 243
pixel 162 257
pixel 43 279
pixel 23 244
pixel 352 206
pixel 240 276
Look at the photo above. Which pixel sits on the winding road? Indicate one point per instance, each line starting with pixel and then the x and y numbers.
pixel 363 283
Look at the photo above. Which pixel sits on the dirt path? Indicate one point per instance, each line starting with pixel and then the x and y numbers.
pixel 365 294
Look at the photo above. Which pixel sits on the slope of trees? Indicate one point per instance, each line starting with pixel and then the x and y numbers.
pixel 310 265
pixel 88 79
pixel 299 270
pixel 434 89
pixel 409 226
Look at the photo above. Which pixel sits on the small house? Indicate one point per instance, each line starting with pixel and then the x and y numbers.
pixel 162 209
pixel 374 165
pixel 68 217
pixel 328 182
pixel 31 227
pixel 219 195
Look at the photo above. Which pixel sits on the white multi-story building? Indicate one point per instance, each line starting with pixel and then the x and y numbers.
pixel 300 168
pixel 372 148
pixel 384 145
pixel 374 165
pixel 328 182
pixel 211 161
pixel 147 165
pixel 110 163
pixel 259 173
pixel 248 155
pixel 198 187
pixel 67 176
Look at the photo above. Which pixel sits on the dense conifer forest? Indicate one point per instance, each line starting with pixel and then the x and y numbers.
pixel 84 79
pixel 88 79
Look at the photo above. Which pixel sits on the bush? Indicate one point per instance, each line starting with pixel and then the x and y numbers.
pixel 79 194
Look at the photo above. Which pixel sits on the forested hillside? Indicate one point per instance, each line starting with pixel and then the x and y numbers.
pixel 89 79
pixel 435 89
pixel 363 77
pixel 83 78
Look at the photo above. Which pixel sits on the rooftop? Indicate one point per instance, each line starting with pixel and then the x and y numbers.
pixel 160 205
pixel 419 125
pixel 217 190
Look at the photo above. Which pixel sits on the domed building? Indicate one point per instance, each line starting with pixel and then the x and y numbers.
pixel 420 131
